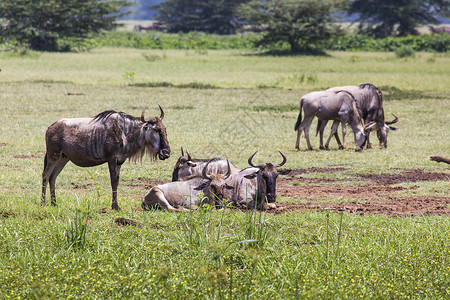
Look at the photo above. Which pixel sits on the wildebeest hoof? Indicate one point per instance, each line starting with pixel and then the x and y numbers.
pixel 126 222
pixel 271 206
pixel 115 207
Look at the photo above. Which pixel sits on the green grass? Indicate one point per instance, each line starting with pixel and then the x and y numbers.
pixel 216 105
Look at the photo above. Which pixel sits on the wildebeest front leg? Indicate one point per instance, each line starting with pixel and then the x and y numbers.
pixel 344 132
pixel 368 144
pixel 114 172
pixel 333 133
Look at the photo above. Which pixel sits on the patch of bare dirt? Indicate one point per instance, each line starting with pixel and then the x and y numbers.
pixel 29 155
pixel 372 193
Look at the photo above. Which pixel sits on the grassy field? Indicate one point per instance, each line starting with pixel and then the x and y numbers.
pixel 217 103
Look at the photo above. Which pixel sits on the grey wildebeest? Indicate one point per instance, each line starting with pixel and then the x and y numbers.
pixel 187 167
pixel 369 101
pixel 184 195
pixel 327 105
pixel 109 137
pixel 255 186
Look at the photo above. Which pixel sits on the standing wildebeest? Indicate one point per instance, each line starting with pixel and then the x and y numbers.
pixel 369 101
pixel 110 137
pixel 326 105
pixel 187 167
pixel 184 195
pixel 253 187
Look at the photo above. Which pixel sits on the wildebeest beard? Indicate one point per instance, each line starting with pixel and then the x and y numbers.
pixel 140 153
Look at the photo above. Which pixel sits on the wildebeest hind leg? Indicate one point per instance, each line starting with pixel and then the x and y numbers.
pixel 49 166
pixel 156 196
pixel 60 163
pixel 306 124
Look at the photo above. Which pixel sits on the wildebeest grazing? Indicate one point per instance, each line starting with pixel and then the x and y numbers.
pixel 110 137
pixel 369 101
pixel 327 105
pixel 187 167
pixel 184 195
pixel 255 186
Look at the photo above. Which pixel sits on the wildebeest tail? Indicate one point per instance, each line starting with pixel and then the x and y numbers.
pixel 299 119
pixel 45 161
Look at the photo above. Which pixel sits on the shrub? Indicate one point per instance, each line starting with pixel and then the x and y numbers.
pixel 404 51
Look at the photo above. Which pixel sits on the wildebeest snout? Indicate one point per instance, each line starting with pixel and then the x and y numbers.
pixel 164 153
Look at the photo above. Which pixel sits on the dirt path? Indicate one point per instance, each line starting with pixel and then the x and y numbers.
pixel 371 193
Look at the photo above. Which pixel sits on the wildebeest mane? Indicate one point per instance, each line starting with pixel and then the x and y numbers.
pixel 206 159
pixel 138 153
pixel 371 86
pixel 107 113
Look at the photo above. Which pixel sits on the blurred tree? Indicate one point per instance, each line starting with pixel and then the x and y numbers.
pixel 40 24
pixel 301 24
pixel 212 16
pixel 381 18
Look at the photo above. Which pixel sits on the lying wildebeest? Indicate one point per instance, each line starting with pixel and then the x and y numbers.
pixel 110 137
pixel 369 101
pixel 184 195
pixel 187 167
pixel 255 186
pixel 337 106
pixel 440 159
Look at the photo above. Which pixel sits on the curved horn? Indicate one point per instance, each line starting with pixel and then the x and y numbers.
pixel 393 121
pixel 251 163
pixel 188 155
pixel 162 112
pixel 250 160
pixel 142 115
pixel 182 152
pixel 204 174
pixel 283 162
pixel 228 171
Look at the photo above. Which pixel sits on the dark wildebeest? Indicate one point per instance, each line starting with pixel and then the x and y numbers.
pixel 440 159
pixel 184 195
pixel 327 105
pixel 110 137
pixel 255 186
pixel 369 101
pixel 187 167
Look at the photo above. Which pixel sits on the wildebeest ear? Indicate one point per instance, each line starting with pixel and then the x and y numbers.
pixel 201 186
pixel 191 164
pixel 251 176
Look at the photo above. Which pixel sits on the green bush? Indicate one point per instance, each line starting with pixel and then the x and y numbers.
pixel 404 51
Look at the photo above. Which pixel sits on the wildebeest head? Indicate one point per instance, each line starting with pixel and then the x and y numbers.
pixel 382 133
pixel 155 135
pixel 266 178
pixel 214 188
pixel 183 164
